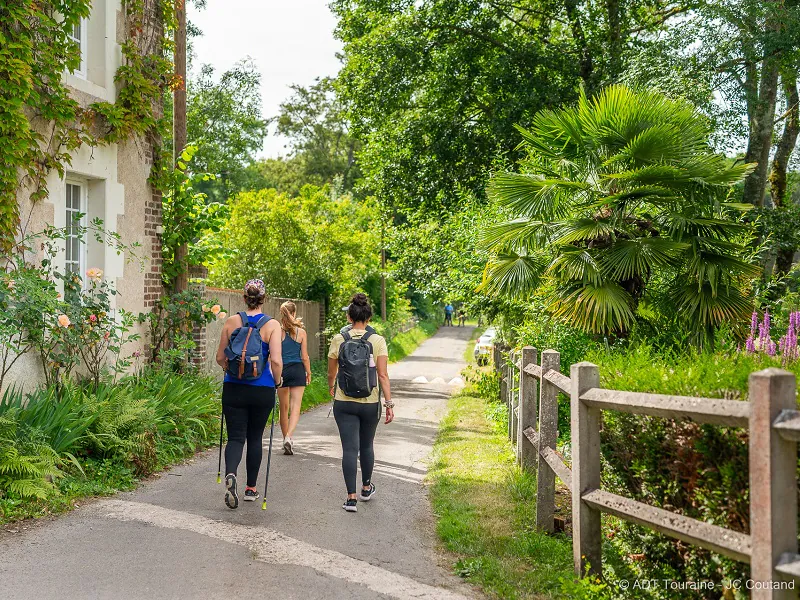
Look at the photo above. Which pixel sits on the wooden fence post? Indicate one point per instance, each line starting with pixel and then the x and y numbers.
pixel 548 437
pixel 503 372
pixel 773 484
pixel 585 427
pixel 526 453
pixel 512 418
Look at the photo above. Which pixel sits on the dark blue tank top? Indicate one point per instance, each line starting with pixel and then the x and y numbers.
pixel 290 349
pixel 266 379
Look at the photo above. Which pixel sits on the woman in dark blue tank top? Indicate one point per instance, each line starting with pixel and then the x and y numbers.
pixel 296 372
pixel 246 404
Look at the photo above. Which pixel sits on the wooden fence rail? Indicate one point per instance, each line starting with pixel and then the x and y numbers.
pixel 530 388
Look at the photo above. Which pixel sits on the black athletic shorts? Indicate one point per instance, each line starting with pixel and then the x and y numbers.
pixel 294 375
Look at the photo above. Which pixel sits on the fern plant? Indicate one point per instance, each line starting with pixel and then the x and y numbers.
pixel 27 465
pixel 614 193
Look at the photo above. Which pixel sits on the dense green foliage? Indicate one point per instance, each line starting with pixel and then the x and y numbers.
pixel 58 446
pixel 455 77
pixel 309 247
pixel 188 217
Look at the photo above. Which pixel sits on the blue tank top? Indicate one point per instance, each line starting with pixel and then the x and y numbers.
pixel 266 379
pixel 290 350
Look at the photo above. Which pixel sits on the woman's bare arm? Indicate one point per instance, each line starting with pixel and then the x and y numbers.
pixel 304 354
pixel 225 337
pixel 382 362
pixel 333 369
pixel 271 333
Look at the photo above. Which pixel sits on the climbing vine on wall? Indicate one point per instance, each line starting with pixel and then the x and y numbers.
pixel 41 124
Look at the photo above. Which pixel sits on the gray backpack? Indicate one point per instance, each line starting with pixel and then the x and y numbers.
pixel 356 378
pixel 246 361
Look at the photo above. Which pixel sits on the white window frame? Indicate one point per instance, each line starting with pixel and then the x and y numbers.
pixel 82 42
pixel 69 212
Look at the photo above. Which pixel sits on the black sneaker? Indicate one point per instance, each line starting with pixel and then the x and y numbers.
pixel 367 495
pixel 231 497
pixel 350 505
pixel 251 495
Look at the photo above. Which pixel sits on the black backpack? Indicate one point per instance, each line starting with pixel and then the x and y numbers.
pixel 356 378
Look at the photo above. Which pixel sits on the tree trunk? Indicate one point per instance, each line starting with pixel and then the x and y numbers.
pixel 383 277
pixel 614 38
pixel 791 129
pixel 761 111
pixel 586 63
pixel 179 133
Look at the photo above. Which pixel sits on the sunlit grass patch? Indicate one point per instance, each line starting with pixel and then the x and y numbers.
pixel 485 511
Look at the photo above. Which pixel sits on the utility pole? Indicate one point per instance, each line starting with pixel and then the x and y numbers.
pixel 383 273
pixel 179 134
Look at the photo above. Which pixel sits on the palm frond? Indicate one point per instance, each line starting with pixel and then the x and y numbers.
pixel 595 309
pixel 703 307
pixel 519 233
pixel 628 258
pixel 511 273
pixel 533 196
pixel 582 229
pixel 575 264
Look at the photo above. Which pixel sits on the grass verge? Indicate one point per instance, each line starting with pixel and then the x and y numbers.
pixel 484 506
pixel 404 344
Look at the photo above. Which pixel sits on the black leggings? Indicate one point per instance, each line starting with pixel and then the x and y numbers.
pixel 357 423
pixel 246 409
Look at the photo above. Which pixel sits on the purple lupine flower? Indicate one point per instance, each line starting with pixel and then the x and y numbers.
pixel 771 348
pixel 789 349
pixel 754 323
pixel 750 345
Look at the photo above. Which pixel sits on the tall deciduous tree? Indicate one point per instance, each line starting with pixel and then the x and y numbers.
pixel 225 123
pixel 314 120
pixel 309 247
pixel 434 87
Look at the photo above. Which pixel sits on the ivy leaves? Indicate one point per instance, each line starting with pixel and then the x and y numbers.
pixel 40 123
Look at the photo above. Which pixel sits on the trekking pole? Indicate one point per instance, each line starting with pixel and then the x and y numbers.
pixel 219 464
pixel 269 451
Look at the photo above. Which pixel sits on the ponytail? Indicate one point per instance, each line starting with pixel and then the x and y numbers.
pixel 289 321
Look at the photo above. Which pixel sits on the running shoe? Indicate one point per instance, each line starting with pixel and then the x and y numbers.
pixel 231 497
pixel 288 446
pixel 350 505
pixel 367 495
pixel 251 495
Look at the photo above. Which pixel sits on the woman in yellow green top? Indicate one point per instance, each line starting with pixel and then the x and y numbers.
pixel 357 377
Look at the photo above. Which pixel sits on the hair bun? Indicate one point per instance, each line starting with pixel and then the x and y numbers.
pixel 359 299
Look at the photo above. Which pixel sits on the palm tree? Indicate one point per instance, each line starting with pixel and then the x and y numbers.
pixel 613 193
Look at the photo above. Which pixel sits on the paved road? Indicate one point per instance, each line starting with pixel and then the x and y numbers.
pixel 174 538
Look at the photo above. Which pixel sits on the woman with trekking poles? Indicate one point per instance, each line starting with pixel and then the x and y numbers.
pixel 250 353
pixel 357 376
pixel 296 372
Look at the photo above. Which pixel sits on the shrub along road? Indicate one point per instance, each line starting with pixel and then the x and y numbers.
pixel 174 538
